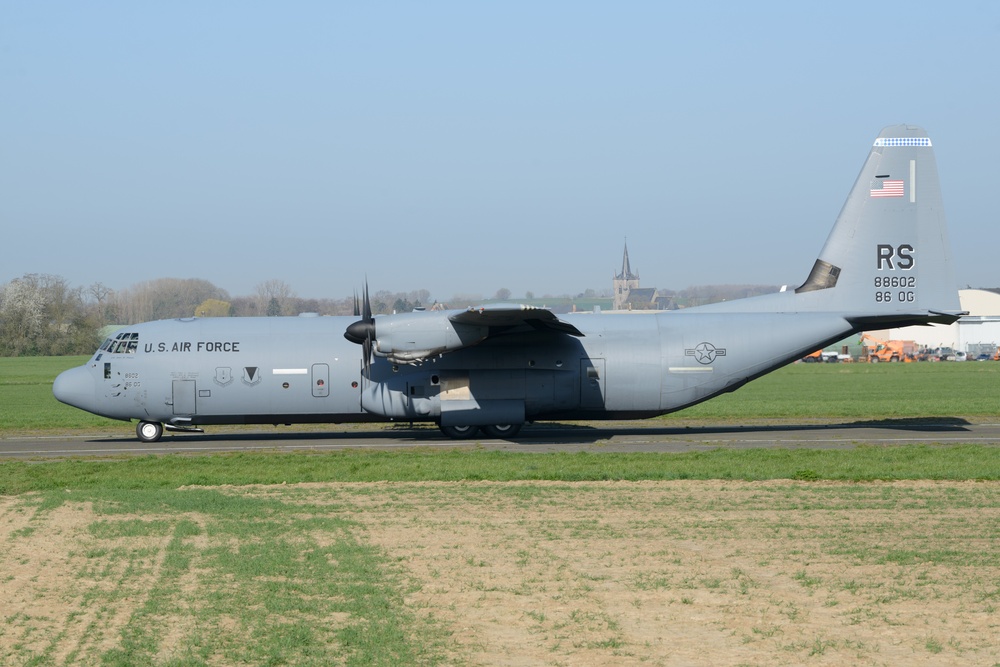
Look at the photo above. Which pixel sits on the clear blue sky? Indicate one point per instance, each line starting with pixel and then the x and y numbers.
pixel 462 147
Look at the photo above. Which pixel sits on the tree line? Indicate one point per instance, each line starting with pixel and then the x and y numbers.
pixel 42 314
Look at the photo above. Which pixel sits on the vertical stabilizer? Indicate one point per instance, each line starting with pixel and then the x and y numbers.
pixel 887 261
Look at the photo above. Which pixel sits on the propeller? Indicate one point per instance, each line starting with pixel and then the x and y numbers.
pixel 362 332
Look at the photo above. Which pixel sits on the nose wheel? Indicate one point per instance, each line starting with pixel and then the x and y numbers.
pixel 149 431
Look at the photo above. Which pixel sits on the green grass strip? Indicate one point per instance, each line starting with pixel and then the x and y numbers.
pixel 863 463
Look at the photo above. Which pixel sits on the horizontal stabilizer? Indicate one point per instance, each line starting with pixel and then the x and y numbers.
pixel 896 320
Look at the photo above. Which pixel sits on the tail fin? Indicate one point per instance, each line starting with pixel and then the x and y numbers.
pixel 887 261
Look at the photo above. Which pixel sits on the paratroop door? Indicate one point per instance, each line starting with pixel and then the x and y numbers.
pixel 185 402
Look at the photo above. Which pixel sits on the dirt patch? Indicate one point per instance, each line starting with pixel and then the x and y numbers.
pixel 700 573
pixel 68 591
pixel 695 573
pixel 49 579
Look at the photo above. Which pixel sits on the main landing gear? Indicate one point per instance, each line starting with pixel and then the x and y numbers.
pixel 500 431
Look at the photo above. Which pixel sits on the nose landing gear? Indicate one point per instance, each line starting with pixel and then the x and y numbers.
pixel 149 431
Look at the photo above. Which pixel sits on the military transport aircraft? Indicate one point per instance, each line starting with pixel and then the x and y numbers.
pixel 887 263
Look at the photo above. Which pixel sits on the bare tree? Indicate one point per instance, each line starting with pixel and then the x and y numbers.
pixel 103 301
pixel 275 296
pixel 164 298
pixel 420 297
pixel 99 291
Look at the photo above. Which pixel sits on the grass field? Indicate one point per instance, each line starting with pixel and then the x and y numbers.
pixel 858 391
pixel 27 405
pixel 873 555
pixel 482 573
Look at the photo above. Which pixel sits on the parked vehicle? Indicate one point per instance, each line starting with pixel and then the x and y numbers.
pixel 888 350
pixel 821 356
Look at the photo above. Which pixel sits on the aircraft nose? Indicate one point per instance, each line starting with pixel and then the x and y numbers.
pixel 76 387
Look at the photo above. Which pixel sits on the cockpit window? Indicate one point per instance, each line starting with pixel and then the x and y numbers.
pixel 123 343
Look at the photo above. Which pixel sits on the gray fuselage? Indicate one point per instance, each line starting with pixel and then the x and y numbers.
pixel 301 369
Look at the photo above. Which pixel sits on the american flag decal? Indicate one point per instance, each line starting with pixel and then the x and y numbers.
pixel 882 188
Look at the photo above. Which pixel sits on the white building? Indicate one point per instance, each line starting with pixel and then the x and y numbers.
pixel 980 326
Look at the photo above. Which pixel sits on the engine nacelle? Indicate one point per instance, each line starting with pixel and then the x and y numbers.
pixel 408 338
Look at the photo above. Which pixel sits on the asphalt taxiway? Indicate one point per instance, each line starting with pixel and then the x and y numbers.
pixel 539 438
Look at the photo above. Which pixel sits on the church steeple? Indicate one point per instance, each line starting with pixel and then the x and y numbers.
pixel 624 282
pixel 626 273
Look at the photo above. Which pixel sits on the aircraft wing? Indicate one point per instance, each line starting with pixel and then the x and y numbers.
pixel 408 338
pixel 505 316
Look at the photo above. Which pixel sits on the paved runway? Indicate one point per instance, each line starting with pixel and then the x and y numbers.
pixel 540 438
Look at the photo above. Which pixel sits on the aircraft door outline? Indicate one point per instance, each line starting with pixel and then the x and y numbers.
pixel 185 398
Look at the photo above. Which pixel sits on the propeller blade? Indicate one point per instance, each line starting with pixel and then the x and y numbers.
pixel 368 304
pixel 369 333
pixel 362 332
pixel 367 351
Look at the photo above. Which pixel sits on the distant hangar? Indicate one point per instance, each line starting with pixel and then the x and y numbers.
pixel 980 327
